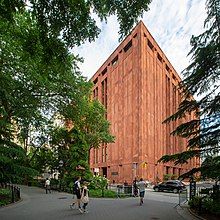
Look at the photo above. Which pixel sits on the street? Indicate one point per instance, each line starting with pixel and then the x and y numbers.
pixel 38 205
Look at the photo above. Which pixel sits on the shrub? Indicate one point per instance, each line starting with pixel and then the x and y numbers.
pixel 97 193
pixel 54 182
pixel 211 206
pixel 195 202
pixel 5 197
pixel 205 204
pixel 99 182
pixel 34 182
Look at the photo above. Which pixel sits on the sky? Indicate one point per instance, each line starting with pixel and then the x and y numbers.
pixel 171 23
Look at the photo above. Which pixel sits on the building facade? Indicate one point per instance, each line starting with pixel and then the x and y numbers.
pixel 138 87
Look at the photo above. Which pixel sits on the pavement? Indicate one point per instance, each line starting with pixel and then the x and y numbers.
pixel 35 204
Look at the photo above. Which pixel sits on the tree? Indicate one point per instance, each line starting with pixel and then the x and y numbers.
pixel 12 158
pixel 211 168
pixel 42 159
pixel 29 90
pixel 73 20
pixel 87 128
pixel 201 80
pixel 39 76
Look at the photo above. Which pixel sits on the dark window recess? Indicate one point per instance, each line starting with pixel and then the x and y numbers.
pixel 150 45
pixel 95 81
pixel 159 57
pixel 104 71
pixel 128 46
pixel 115 60
pixel 167 68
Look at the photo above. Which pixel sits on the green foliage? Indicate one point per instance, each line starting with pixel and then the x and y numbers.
pixel 195 202
pixel 90 120
pixel 54 182
pixel 41 159
pixel 98 193
pixel 34 182
pixel 211 206
pixel 5 192
pixel 5 196
pixel 32 87
pixel 74 19
pixel 70 147
pixel 205 204
pixel 88 129
pixel 40 80
pixel 13 164
pixel 210 168
pixel 98 182
pixel 201 80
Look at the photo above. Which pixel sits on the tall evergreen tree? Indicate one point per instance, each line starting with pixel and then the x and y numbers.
pixel 202 81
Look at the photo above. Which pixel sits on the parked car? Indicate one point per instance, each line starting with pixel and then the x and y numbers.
pixel 170 185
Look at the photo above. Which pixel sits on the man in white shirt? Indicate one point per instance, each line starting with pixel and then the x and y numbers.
pixel 141 185
pixel 47 185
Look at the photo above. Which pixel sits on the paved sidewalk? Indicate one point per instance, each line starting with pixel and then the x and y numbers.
pixel 38 205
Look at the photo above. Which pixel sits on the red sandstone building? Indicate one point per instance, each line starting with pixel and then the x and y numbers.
pixel 137 85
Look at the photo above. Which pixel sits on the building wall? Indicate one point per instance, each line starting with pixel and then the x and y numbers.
pixel 137 85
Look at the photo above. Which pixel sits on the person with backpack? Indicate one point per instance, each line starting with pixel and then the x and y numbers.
pixel 77 194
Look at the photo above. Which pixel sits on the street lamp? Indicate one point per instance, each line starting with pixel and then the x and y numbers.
pixel 134 168
pixel 60 166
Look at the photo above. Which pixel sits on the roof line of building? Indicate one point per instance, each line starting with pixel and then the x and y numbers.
pixel 140 23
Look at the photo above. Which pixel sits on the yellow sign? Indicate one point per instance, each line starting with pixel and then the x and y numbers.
pixel 144 164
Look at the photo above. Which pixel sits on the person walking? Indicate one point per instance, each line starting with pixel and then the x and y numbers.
pixel 85 196
pixel 141 185
pixel 47 186
pixel 77 194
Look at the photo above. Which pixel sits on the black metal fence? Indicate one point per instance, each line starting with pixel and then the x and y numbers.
pixel 15 194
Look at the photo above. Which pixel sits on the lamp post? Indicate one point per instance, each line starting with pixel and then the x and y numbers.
pixel 134 168
pixel 60 166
